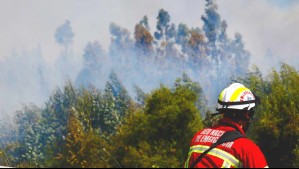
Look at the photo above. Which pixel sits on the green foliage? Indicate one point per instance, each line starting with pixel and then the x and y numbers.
pixel 94 150
pixel 54 121
pixel 140 95
pixel 5 159
pixel 29 133
pixel 159 135
pixel 82 149
pixel 122 98
pixel 108 111
pixel 96 110
pixel 88 127
pixel 186 81
pixel 296 154
pixel 276 126
pixel 48 137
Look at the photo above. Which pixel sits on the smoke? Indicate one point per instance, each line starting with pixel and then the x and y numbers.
pixel 30 75
pixel 22 79
pixel 273 32
pixel 27 78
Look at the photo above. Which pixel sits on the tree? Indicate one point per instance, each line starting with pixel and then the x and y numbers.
pixel 144 23
pixel 186 81
pixel 165 32
pixel 5 158
pixel 223 36
pixel 162 25
pixel 221 51
pixel 64 34
pixel 182 36
pixel 241 55
pixel 278 125
pixel 94 60
pixel 196 49
pixel 143 39
pixel 140 95
pixel 83 148
pixel 121 44
pixel 29 135
pixel 54 122
pixel 72 155
pixel 95 150
pixel 159 134
pixel 94 56
pixel 107 111
pixel 122 98
pixel 212 25
pixel 275 127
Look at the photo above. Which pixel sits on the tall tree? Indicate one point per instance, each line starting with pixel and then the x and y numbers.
pixel 182 37
pixel 94 60
pixel 242 56
pixel 165 32
pixel 143 38
pixel 29 137
pixel 122 98
pixel 163 24
pixel 73 144
pixel 144 22
pixel 196 49
pixel 140 95
pixel 109 116
pixel 211 27
pixel 121 44
pixel 64 34
pixel 214 30
pixel 54 122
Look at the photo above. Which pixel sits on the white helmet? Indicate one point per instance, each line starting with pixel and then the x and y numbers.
pixel 236 96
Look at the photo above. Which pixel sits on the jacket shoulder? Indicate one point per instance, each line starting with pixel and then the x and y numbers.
pixel 246 144
pixel 249 153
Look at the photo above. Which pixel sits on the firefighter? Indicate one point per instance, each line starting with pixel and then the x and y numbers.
pixel 235 104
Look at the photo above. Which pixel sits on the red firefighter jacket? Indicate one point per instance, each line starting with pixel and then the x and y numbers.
pixel 239 153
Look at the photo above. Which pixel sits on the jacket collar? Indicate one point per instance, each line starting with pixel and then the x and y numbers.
pixel 229 122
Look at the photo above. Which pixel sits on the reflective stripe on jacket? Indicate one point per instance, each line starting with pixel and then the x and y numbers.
pixel 239 153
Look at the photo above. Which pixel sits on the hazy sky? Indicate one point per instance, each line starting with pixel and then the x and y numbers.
pixel 269 29
pixel 267 26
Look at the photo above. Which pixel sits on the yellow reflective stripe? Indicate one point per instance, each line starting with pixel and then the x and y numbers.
pixel 237 93
pixel 225 165
pixel 221 95
pixel 266 167
pixel 187 162
pixel 233 161
pixel 189 155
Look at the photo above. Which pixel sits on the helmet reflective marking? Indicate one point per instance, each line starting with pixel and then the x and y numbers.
pixel 238 93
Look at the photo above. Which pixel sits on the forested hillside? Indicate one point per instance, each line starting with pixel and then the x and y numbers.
pixel 107 114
